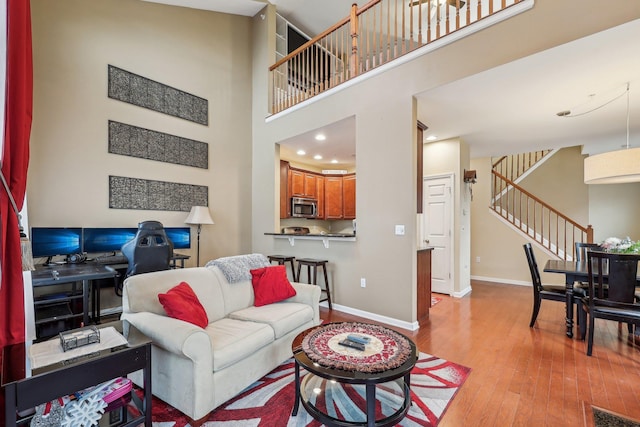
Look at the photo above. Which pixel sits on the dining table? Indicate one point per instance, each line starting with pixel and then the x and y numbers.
pixel 574 271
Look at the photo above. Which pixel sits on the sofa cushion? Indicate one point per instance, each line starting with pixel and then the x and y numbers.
pixel 180 302
pixel 141 291
pixel 283 317
pixel 270 284
pixel 233 340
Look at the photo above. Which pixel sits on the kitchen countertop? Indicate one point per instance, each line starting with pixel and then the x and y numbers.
pixel 324 238
pixel 311 234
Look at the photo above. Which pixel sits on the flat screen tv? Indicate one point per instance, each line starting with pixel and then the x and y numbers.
pixel 97 240
pixel 179 236
pixel 53 241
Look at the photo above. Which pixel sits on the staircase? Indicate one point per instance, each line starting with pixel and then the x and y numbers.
pixel 551 229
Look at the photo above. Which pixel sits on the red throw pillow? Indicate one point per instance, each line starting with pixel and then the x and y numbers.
pixel 180 302
pixel 270 284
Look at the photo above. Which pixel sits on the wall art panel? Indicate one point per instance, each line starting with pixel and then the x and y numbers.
pixel 145 194
pixel 143 92
pixel 134 141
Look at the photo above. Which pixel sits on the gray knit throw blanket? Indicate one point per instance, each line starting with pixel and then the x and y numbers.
pixel 238 268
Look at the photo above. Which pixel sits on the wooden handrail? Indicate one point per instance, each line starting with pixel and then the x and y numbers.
pixel 369 37
pixel 534 217
pixel 328 31
pixel 541 202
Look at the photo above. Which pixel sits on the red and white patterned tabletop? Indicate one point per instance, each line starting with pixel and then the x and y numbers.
pixel 385 350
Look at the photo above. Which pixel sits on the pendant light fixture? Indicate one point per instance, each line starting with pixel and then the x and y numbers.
pixel 614 167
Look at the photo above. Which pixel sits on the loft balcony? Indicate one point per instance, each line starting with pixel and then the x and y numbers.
pixel 371 36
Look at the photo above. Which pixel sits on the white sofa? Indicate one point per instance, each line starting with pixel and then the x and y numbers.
pixel 194 369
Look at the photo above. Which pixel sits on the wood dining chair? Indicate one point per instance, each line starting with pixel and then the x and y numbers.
pixel 547 292
pixel 611 297
pixel 582 248
pixel 581 256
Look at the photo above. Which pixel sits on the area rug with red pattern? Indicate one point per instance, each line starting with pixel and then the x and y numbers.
pixel 269 401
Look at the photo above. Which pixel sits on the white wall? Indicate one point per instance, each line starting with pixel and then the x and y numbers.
pixel 385 128
pixel 206 54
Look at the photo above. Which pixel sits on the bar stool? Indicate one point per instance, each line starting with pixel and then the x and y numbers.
pixel 281 259
pixel 314 264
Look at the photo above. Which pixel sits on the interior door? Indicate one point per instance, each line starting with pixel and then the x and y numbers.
pixel 437 231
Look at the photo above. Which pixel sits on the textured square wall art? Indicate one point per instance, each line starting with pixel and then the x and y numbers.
pixel 134 141
pixel 146 194
pixel 143 92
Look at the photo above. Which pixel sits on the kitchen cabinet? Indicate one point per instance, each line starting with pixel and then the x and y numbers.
pixel 424 285
pixel 285 206
pixel 336 194
pixel 340 197
pixel 303 184
pixel 349 196
pixel 333 197
pixel 320 188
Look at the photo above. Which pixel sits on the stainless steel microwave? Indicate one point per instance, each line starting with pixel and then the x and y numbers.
pixel 304 208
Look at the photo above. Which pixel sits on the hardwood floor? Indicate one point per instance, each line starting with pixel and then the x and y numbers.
pixel 525 376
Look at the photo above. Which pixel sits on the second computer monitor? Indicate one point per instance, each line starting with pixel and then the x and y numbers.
pixel 98 240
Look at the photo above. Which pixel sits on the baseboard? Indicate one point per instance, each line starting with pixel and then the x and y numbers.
pixel 462 293
pixel 411 326
pixel 499 280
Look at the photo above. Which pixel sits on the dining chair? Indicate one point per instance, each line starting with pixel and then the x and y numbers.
pixel 582 248
pixel 581 256
pixel 611 297
pixel 547 292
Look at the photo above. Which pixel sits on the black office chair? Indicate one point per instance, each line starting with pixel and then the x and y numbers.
pixel 610 298
pixel 150 250
pixel 548 292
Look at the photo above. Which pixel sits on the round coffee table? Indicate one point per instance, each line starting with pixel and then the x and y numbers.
pixel 342 382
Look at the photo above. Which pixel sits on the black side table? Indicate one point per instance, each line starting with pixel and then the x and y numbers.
pixel 50 382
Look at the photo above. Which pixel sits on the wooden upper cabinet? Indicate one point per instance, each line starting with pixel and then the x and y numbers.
pixel 320 188
pixel 303 184
pixel 296 183
pixel 333 197
pixel 285 206
pixel 349 196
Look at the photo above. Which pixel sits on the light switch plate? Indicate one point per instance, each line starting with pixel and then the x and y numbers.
pixel 399 230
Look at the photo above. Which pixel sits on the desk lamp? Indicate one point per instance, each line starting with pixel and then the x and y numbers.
pixel 199 215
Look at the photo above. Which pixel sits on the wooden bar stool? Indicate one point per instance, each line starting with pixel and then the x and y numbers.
pixel 281 259
pixel 314 264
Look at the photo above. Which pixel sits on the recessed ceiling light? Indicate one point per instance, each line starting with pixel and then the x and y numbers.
pixel 320 137
pixel 317 157
pixel 432 138
pixel 334 161
pixel 301 152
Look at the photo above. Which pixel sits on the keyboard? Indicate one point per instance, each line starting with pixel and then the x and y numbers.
pixel 111 259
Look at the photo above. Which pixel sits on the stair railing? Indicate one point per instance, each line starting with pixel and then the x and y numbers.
pixel 514 166
pixel 538 220
pixel 372 35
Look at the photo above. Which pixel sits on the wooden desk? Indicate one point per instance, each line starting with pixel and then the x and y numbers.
pixel 59 274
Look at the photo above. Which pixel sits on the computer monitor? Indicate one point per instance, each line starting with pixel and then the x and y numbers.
pixel 53 241
pixel 97 240
pixel 179 236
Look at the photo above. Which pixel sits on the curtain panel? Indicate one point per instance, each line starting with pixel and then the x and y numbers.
pixel 15 159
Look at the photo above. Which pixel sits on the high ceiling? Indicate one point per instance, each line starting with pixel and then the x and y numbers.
pixel 508 109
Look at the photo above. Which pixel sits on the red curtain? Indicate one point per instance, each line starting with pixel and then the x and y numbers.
pixel 15 160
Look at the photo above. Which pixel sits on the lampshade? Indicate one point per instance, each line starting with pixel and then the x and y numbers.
pixel 199 215
pixel 614 167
